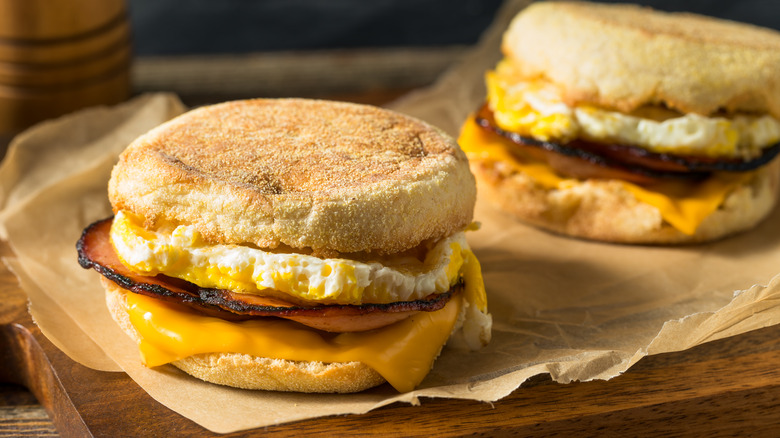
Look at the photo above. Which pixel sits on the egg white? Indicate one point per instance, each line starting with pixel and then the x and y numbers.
pixel 535 108
pixel 180 252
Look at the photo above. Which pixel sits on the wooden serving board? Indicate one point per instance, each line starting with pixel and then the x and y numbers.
pixel 727 387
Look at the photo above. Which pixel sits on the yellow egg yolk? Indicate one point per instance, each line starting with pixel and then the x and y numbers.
pixel 180 252
pixel 536 109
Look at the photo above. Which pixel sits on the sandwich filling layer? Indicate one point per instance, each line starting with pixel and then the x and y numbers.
pixel 682 204
pixel 180 252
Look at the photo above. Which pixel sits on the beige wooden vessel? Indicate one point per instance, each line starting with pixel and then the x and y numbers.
pixel 57 56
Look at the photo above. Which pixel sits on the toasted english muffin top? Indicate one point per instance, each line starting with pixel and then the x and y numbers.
pixel 333 177
pixel 626 56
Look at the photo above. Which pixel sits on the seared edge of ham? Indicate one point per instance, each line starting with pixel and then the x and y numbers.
pixel 96 252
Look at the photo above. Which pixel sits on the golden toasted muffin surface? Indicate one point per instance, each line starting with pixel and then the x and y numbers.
pixel 625 56
pixel 295 146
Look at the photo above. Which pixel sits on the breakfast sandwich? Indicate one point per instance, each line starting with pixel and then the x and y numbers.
pixel 292 245
pixel 624 124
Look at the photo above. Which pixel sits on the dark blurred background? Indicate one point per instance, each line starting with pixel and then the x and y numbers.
pixel 175 27
pixel 373 51
pixel 205 51
pixel 169 27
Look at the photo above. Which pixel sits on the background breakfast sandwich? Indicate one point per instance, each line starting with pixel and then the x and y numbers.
pixel 292 245
pixel 624 124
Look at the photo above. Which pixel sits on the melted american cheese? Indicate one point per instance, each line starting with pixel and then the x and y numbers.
pixel 402 353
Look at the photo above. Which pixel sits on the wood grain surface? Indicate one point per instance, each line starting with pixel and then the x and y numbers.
pixel 58 57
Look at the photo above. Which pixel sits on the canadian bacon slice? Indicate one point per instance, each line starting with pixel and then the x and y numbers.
pixel 588 159
pixel 96 252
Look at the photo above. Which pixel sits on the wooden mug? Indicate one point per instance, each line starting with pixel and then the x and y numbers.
pixel 57 56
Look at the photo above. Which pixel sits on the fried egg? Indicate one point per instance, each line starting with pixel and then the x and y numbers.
pixel 535 108
pixel 181 252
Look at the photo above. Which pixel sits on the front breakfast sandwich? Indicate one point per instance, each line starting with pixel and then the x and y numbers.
pixel 624 124
pixel 292 245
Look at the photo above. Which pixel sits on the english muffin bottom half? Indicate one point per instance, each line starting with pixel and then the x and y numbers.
pixel 624 124
pixel 292 245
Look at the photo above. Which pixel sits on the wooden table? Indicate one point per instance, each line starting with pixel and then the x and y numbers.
pixel 727 387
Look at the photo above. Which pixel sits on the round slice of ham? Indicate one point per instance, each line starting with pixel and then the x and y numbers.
pixel 588 159
pixel 96 252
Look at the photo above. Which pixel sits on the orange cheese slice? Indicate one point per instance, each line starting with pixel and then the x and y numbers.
pixel 403 353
